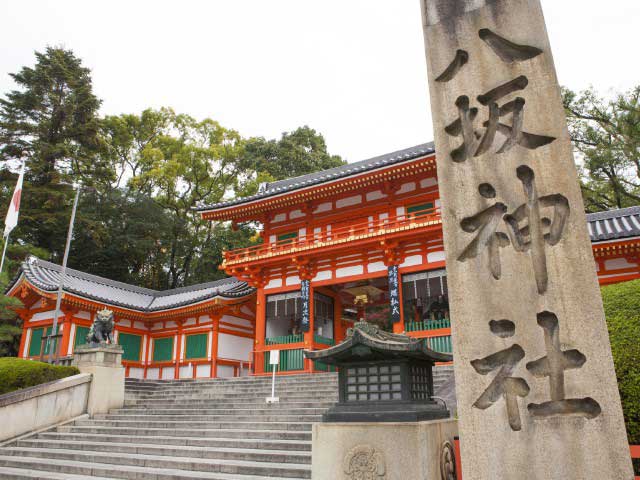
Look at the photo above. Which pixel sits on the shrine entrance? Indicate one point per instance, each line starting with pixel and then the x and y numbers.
pixel 364 300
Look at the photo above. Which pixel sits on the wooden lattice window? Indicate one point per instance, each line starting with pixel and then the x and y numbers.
pixel 163 349
pixel 287 237
pixel 131 344
pixel 420 209
pixel 81 336
pixel 196 346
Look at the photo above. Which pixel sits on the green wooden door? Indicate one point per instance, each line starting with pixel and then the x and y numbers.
pixel 81 336
pixel 163 349
pixel 132 345
pixel 35 345
pixel 196 346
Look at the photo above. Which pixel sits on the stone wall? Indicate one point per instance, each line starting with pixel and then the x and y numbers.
pixel 44 405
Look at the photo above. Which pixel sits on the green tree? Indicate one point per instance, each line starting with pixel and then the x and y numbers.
pixel 296 153
pixel 10 323
pixel 52 118
pixel 622 309
pixel 606 137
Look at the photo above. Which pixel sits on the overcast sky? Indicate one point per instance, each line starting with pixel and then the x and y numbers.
pixel 352 69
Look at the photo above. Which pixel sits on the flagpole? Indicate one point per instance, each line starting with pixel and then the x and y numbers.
pixel 4 252
pixel 63 273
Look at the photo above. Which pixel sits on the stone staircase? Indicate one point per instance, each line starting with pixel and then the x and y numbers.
pixel 187 429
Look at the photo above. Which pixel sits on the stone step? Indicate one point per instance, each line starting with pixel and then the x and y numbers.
pixel 234 416
pixel 271 409
pixel 9 473
pixel 231 416
pixel 239 425
pixel 90 470
pixel 288 470
pixel 223 453
pixel 268 444
pixel 310 393
pixel 228 404
pixel 179 388
pixel 187 432
pixel 301 377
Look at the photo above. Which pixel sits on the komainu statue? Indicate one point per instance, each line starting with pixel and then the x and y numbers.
pixel 101 330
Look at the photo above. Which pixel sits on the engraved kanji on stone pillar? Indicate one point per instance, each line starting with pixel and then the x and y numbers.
pixel 517 248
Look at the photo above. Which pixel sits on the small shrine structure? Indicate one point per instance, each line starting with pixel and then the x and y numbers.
pixel 383 377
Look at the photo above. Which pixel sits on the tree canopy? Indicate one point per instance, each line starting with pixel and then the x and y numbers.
pixel 606 137
pixel 147 173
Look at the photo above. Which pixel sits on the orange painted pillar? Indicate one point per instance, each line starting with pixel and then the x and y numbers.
pixel 178 351
pixel 23 338
pixel 147 354
pixel 66 333
pixel 261 331
pixel 308 336
pixel 215 332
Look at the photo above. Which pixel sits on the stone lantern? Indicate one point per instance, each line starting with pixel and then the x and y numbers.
pixel 383 377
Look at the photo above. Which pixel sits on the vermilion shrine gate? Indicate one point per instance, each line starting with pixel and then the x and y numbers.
pixel 343 235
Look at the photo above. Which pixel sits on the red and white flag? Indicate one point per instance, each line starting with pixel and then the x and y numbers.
pixel 14 207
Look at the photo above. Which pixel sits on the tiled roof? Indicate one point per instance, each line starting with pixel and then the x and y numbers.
pixel 46 276
pixel 295 183
pixel 614 224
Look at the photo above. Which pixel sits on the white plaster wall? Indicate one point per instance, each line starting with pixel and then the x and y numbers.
pixel 42 315
pixel 186 371
pixel 168 373
pixel 136 372
pixel 83 314
pixel 27 342
pixel 274 283
pixel 152 373
pixel 72 340
pixel 172 325
pixel 435 257
pixel 225 371
pixel 348 271
pixel 203 371
pixel 412 260
pixel 324 275
pixel 407 187
pixel 323 207
pixel 428 182
pixel 349 201
pixel 234 347
pixel 236 321
pixel 281 217
pixel 293 280
pixel 190 321
pixel 616 263
pixel 376 195
pixel 143 356
pixel 124 323
pixel 376 267
pixel 296 214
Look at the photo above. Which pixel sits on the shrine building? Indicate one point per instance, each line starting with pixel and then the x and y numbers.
pixel 359 241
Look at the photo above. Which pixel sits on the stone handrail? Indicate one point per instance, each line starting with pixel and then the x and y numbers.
pixel 43 405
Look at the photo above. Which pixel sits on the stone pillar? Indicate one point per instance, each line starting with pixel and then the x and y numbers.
pixel 383 450
pixel 537 392
pixel 104 363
